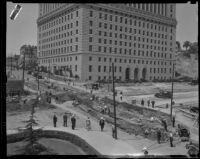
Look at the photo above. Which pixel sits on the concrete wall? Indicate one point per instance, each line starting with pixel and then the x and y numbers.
pixel 89 150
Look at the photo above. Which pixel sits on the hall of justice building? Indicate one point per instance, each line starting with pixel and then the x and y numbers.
pixel 87 38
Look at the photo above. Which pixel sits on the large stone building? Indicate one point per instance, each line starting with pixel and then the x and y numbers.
pixel 30 53
pixel 139 38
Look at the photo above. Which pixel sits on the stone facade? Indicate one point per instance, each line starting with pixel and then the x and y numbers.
pixel 87 38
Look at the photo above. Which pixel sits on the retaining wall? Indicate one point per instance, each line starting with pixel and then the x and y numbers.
pixel 89 150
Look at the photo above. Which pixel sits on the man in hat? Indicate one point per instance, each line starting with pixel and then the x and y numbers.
pixel 148 103
pixel 142 102
pixel 73 120
pixel 65 120
pixel 54 120
pixel 102 123
pixel 158 136
pixel 173 121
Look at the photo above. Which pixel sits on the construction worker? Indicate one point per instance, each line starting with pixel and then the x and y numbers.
pixel 102 123
pixel 73 120
pixel 171 139
pixel 148 103
pixel 158 136
pixel 54 120
pixel 65 120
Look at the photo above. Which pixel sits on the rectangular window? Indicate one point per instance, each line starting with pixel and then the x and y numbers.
pixel 90 68
pixel 99 69
pixel 90 47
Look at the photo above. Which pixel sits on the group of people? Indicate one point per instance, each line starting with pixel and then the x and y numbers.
pixel 73 122
pixel 148 103
pixel 65 118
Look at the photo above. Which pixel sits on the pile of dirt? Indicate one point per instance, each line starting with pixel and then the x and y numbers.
pixel 19 107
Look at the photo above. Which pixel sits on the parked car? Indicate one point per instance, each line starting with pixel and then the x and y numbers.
pixel 163 94
pixel 194 109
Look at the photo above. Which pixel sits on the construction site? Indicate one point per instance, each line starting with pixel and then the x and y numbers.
pixel 131 117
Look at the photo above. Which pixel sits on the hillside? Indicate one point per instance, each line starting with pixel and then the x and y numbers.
pixel 187 66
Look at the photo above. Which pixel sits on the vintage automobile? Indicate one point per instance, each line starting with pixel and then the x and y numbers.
pixel 163 94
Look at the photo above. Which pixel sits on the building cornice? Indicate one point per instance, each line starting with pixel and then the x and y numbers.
pixel 131 12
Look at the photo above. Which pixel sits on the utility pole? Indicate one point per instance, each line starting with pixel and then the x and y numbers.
pixel 109 76
pixel 49 71
pixel 113 77
pixel 172 91
pixel 11 65
pixel 23 67
pixel 38 79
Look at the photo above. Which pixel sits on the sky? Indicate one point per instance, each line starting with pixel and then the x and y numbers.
pixel 23 30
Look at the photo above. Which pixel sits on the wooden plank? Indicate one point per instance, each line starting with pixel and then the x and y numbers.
pixel 186 112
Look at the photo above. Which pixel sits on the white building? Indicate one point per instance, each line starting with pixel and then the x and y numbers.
pixel 87 38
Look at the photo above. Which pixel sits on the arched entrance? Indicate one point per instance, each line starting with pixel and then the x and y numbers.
pixel 127 74
pixel 136 73
pixel 144 72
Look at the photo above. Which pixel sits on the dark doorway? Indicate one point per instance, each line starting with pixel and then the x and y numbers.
pixel 127 76
pixel 144 71
pixel 136 73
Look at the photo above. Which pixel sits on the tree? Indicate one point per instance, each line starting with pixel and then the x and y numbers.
pixel 186 44
pixel 193 48
pixel 33 147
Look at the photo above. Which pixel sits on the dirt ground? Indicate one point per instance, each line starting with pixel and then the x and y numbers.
pixel 44 117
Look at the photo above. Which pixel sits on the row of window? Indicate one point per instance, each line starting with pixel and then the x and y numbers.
pixel 127 51
pixel 58 20
pixel 58 30
pixel 120 77
pixel 100 59
pixel 59 50
pixel 105 69
pixel 118 27
pixel 67 59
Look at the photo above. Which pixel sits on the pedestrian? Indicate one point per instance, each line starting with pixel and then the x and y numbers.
pixel 54 120
pixel 102 123
pixel 73 120
pixel 113 131
pixel 158 136
pixel 65 120
pixel 153 103
pixel 164 124
pixel 171 139
pixel 148 103
pixel 167 105
pixel 146 133
pixel 88 124
pixel 121 97
pixel 142 102
pixel 173 121
pixel 108 110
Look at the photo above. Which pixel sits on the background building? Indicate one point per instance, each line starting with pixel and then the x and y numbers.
pixel 87 38
pixel 14 59
pixel 30 53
